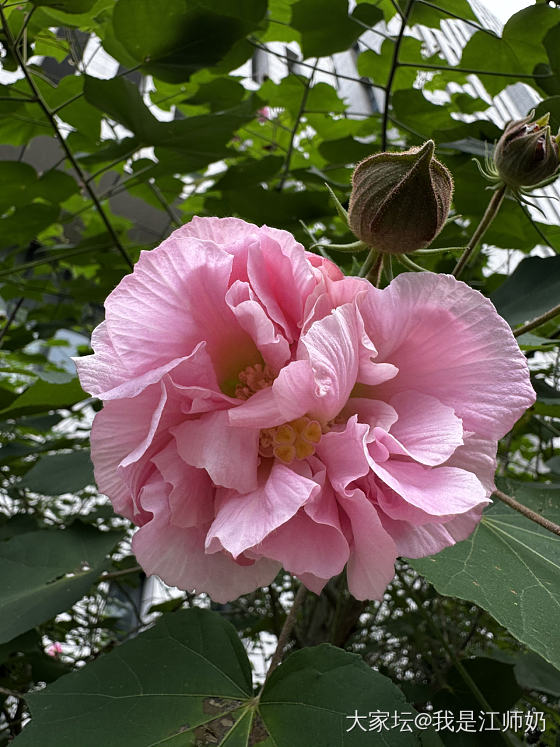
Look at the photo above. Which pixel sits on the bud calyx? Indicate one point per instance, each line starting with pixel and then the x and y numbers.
pixel 400 201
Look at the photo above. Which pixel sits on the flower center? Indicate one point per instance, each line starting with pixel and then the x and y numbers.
pixel 294 440
pixel 252 379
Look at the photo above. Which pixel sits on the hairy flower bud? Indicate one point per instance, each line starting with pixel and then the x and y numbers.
pixel 400 201
pixel 526 154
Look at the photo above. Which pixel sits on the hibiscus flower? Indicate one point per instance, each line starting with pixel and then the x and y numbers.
pixel 262 410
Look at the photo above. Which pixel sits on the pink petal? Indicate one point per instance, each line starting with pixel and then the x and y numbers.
pixel 440 491
pixel 251 316
pixel 304 546
pixel 448 341
pixel 174 299
pixel 191 497
pixel 177 556
pixel 373 554
pixel 243 521
pixel 282 278
pixel 415 541
pixel 370 411
pixel 477 455
pixel 426 430
pixel 344 454
pixel 228 454
pixel 332 346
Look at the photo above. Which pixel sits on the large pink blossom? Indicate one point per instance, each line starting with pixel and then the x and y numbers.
pixel 262 410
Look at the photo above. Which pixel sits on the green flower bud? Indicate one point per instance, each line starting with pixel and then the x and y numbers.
pixel 400 201
pixel 526 155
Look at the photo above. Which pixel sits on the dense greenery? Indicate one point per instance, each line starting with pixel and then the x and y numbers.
pixel 473 628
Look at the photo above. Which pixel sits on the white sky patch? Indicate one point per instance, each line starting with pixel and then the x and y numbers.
pixel 504 9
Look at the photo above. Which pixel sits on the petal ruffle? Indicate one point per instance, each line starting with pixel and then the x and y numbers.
pixel 448 341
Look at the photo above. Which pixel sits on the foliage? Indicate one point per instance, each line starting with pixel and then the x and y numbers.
pixel 96 167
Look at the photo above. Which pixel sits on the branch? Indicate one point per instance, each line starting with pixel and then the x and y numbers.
pixel 487 218
pixel 54 124
pixel 286 630
pixel 537 321
pixel 301 111
pixel 393 70
pixel 528 513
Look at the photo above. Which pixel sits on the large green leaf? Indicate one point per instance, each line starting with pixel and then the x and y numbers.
pixel 325 26
pixel 68 6
pixel 43 573
pixel 175 38
pixel 60 473
pixel 531 290
pixel 43 397
pixel 510 566
pixel 187 681
pixel 516 52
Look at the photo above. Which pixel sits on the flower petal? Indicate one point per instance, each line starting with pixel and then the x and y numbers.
pixel 177 556
pixel 229 454
pixel 440 491
pixel 426 430
pixel 243 521
pixel 373 554
pixel 191 495
pixel 449 342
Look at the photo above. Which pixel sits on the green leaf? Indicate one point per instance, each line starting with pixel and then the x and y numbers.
pixel 34 568
pixel 175 38
pixel 531 290
pixel 534 673
pixel 551 106
pixel 515 53
pixel 55 474
pixel 325 26
pixel 68 6
pixel 548 399
pixel 430 16
pixel 43 396
pixel 121 100
pixel 187 681
pixel 510 567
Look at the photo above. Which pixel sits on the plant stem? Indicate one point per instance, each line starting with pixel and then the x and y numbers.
pixel 366 267
pixel 487 218
pixel 392 71
pixel 289 623
pixel 537 321
pixel 374 275
pixel 118 574
pixel 301 111
pixel 453 657
pixel 527 512
pixel 405 261
pixel 69 155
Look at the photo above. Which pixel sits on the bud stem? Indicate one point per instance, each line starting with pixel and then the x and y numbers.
pixel 487 218
pixel 366 267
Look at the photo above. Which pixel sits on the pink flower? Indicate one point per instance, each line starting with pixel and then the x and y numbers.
pixel 54 649
pixel 262 410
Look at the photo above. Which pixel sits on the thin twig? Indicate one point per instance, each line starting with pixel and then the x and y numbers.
pixel 54 124
pixel 10 320
pixel 487 218
pixel 118 574
pixel 528 513
pixel 393 70
pixel 537 321
pixel 286 630
pixel 301 112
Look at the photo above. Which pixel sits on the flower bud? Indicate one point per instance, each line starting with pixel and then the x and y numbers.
pixel 400 201
pixel 526 154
